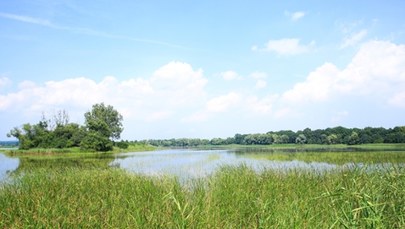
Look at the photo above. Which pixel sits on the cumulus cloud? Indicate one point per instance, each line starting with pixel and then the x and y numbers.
pixel 261 84
pixel 219 104
pixel 260 79
pixel 223 103
pixel 261 106
pixel 317 86
pixel 378 68
pixel 177 92
pixel 229 75
pixel 286 47
pixel 175 85
pixel 295 16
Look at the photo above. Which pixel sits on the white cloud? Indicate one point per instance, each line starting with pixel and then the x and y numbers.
pixel 178 84
pixel 176 94
pixel 261 84
pixel 286 47
pixel 295 16
pixel 4 81
pixel 317 86
pixel 223 103
pixel 258 75
pixel 218 104
pixel 173 86
pixel 260 79
pixel 229 75
pixel 261 106
pixel 354 39
pixel 378 69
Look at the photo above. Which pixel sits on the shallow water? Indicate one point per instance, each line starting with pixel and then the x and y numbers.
pixel 191 164
pixel 7 165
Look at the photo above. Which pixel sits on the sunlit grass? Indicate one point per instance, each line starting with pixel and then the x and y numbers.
pixel 234 197
pixel 75 150
pixel 334 157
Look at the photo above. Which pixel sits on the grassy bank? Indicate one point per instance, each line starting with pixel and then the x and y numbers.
pixel 234 197
pixel 75 150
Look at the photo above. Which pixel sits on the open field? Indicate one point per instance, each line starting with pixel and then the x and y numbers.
pixel 81 190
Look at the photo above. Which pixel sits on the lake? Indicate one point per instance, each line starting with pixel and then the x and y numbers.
pixel 191 164
pixel 188 164
pixel 7 165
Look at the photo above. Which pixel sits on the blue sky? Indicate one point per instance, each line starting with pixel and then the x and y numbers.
pixel 204 69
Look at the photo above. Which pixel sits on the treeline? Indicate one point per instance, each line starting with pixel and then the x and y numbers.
pixel 336 135
pixel 8 144
pixel 102 125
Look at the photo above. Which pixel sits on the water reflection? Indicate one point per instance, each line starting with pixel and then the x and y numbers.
pixel 190 164
pixel 7 165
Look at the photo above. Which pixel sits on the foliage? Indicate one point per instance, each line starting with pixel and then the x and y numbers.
pixel 96 141
pixel 122 144
pixel 103 123
pixel 336 135
pixel 105 120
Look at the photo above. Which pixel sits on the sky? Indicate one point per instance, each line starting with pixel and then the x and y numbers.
pixel 204 69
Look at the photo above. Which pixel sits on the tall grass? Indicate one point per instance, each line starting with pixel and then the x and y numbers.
pixel 233 197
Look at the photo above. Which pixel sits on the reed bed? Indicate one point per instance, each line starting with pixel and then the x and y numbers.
pixel 233 197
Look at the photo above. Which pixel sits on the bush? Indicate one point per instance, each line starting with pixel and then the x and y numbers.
pixel 96 142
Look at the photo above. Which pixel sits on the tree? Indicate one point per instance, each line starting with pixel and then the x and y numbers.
pixel 96 141
pixel 301 139
pixel 332 139
pixel 104 120
pixel 353 138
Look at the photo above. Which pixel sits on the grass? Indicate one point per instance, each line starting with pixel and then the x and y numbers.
pixel 75 150
pixel 334 157
pixel 234 197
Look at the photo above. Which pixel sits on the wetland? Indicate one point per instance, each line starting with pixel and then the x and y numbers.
pixel 249 187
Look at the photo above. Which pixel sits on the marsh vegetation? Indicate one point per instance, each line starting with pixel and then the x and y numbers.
pixel 83 190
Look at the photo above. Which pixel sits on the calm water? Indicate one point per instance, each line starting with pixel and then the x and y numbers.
pixel 190 164
pixel 7 165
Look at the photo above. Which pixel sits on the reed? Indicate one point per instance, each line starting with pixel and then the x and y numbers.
pixel 233 197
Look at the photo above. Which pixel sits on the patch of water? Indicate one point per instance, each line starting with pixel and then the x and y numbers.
pixel 192 164
pixel 7 165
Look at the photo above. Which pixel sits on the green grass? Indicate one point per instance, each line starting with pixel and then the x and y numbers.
pixel 234 197
pixel 75 150
pixel 135 148
pixel 334 157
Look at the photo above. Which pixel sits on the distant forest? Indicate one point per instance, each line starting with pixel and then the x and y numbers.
pixel 336 135
pixel 7 144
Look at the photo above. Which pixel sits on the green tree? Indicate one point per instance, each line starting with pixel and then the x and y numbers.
pixel 301 139
pixel 96 141
pixel 104 120
pixel 332 139
pixel 353 138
